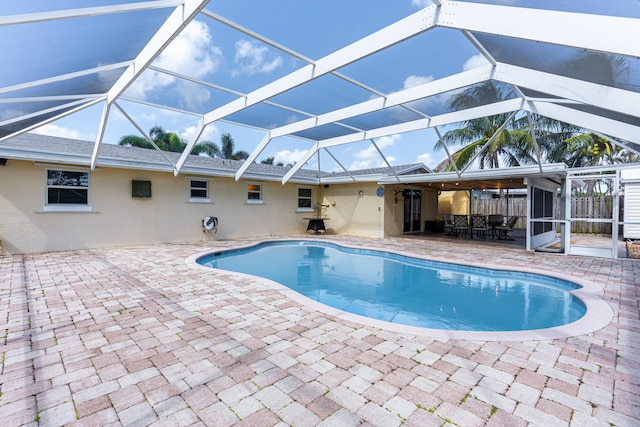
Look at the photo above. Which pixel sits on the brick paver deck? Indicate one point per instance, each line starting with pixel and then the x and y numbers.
pixel 136 336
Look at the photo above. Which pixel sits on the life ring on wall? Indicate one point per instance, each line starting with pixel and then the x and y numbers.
pixel 210 223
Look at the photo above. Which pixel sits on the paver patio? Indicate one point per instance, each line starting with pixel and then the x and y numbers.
pixel 136 336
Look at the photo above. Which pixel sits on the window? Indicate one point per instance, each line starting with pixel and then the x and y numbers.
pixel 199 191
pixel 305 200
pixel 254 193
pixel 67 190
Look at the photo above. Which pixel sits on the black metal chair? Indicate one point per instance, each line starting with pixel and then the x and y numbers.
pixel 504 230
pixel 448 224
pixel 480 226
pixel 494 221
pixel 460 224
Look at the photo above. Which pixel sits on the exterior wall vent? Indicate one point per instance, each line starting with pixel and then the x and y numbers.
pixel 140 188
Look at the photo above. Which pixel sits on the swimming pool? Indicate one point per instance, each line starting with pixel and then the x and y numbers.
pixel 408 291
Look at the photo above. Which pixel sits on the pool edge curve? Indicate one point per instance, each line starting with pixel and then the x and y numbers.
pixel 598 312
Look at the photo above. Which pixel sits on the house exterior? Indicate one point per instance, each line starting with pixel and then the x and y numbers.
pixel 631 180
pixel 50 200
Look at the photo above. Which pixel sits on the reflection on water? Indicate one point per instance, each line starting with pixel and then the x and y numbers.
pixel 409 291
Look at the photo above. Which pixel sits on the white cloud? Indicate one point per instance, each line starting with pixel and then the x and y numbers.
pixel 253 58
pixel 147 82
pixel 474 62
pixel 370 158
pixel 422 104
pixel 210 133
pixel 427 159
pixel 371 163
pixel 193 95
pixel 55 130
pixel 413 81
pixel 387 141
pixel 288 156
pixel 191 53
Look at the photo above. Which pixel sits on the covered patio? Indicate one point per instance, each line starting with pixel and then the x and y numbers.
pixel 135 336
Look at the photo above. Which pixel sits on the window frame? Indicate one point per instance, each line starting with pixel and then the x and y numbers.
pixel 197 199
pixel 259 192
pixel 50 206
pixel 309 198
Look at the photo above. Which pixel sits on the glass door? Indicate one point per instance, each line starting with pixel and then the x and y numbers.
pixel 412 210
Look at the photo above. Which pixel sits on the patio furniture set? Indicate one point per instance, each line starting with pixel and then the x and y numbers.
pixel 481 225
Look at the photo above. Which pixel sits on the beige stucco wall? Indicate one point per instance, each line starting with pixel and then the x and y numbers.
pixel 352 214
pixel 117 219
pixel 429 205
pixel 370 215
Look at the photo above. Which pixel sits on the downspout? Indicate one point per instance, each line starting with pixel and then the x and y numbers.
pixel 566 238
pixel 616 214
pixel 563 214
pixel 527 232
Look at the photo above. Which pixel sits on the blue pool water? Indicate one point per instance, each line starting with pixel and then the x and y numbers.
pixel 406 290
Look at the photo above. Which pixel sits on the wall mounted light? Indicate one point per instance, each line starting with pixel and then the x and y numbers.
pixel 360 193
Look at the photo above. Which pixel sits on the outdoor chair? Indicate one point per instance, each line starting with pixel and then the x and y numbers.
pixel 494 221
pixel 460 224
pixel 479 225
pixel 503 230
pixel 448 224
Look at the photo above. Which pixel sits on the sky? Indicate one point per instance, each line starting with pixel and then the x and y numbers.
pixel 209 51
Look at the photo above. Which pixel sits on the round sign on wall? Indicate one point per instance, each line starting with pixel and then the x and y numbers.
pixel 380 191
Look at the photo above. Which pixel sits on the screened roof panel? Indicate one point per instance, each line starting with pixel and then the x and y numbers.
pixel 442 103
pixel 13 126
pixel 613 8
pixel 333 72
pixel 36 6
pixel 226 56
pixel 428 56
pixel 314 29
pixel 326 93
pixel 16 110
pixel 595 67
pixel 90 84
pixel 324 132
pixel 594 109
pixel 182 94
pixel 381 118
pixel 78 44
pixel 265 116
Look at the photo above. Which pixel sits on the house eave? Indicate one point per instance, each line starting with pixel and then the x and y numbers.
pixel 516 172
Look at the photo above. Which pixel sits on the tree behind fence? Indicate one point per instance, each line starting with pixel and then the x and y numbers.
pixel 592 207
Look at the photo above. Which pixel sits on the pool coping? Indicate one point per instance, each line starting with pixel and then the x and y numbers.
pixel 598 312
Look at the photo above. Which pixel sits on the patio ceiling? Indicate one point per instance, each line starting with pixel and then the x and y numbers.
pixel 577 62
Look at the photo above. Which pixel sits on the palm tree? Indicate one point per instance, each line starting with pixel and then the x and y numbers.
pixel 135 141
pixel 585 149
pixel 506 144
pixel 207 148
pixel 226 152
pixel 166 141
pixel 169 141
pixel 270 160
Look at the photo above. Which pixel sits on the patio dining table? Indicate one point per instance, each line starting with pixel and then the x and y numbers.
pixel 316 225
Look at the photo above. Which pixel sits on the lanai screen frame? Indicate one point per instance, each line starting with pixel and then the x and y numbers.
pixel 608 108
